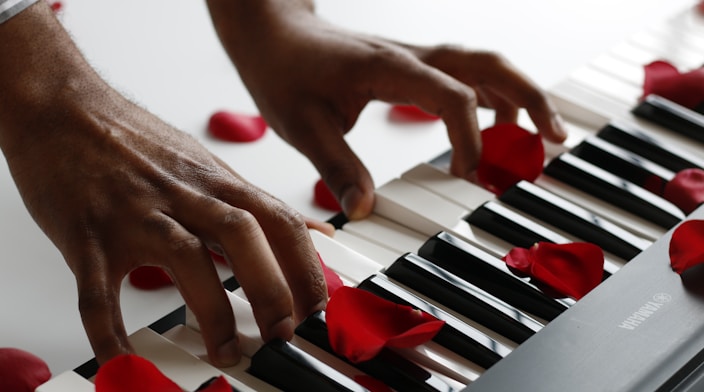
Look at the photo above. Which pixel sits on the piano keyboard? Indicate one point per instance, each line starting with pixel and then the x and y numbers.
pixel 435 242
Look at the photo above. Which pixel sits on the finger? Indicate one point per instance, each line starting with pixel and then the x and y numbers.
pixel 505 111
pixel 503 80
pixel 190 265
pixel 323 227
pixel 407 79
pixel 287 233
pixel 99 306
pixel 341 169
pixel 236 234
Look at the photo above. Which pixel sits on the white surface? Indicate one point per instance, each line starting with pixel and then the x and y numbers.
pixel 164 55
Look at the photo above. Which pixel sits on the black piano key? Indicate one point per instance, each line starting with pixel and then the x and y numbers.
pixel 672 116
pixel 516 229
pixel 490 274
pixel 287 367
pixel 463 297
pixel 455 335
pixel 624 164
pixel 643 144
pixel 612 189
pixel 573 219
pixel 388 366
pixel 510 227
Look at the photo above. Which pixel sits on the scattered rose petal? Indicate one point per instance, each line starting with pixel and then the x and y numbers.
pixel 21 371
pixel 57 6
pixel 219 384
pixel 571 269
pixel 217 258
pixel 236 127
pixel 324 198
pixel 332 279
pixel 700 7
pixel 509 154
pixel 149 278
pixel 360 324
pixel 409 113
pixel 130 372
pixel 665 80
pixel 686 189
pixel 687 245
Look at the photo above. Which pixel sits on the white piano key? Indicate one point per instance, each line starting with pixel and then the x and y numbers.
pixel 247 329
pixel 68 381
pixel 447 186
pixel 628 221
pixel 345 261
pixel 668 49
pixel 192 342
pixel 628 72
pixel 365 247
pixel 387 234
pixel 639 55
pixel 689 20
pixel 428 213
pixel 585 106
pixel 677 36
pixel 607 85
pixel 186 370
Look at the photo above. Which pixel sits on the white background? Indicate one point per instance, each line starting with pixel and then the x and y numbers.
pixel 164 55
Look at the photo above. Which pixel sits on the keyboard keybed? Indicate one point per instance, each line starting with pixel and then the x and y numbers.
pixel 440 219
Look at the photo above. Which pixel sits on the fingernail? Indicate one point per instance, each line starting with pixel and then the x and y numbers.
pixel 356 203
pixel 282 329
pixel 228 354
pixel 559 126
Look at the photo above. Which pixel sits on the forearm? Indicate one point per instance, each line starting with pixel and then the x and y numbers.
pixel 41 72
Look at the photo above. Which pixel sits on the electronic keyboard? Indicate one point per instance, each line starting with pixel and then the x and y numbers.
pixel 435 242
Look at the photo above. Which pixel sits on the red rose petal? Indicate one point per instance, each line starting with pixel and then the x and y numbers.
pixel 509 154
pixel 21 371
pixel 332 279
pixel 323 197
pixel 700 7
pixel 217 258
pixel 235 127
pixel 410 113
pixel 571 269
pixel 665 80
pixel 371 383
pixel 217 385
pixel 686 249
pixel 130 372
pixel 360 324
pixel 686 189
pixel 56 6
pixel 149 278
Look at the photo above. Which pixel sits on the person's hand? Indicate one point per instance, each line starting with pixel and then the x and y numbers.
pixel 311 80
pixel 116 188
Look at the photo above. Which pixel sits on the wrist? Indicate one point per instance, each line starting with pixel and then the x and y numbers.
pixel 247 27
pixel 44 78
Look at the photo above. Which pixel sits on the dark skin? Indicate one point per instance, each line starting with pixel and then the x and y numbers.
pixel 311 80
pixel 114 187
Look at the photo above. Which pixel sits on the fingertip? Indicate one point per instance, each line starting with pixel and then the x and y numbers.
pixel 559 133
pixel 228 353
pixel 357 203
pixel 282 329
